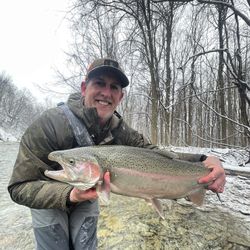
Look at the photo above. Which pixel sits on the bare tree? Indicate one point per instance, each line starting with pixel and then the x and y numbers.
pixel 232 59
pixel 17 107
pixel 5 83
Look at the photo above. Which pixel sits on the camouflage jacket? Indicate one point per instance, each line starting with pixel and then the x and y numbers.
pixel 51 131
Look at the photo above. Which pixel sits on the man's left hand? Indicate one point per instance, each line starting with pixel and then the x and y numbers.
pixel 216 177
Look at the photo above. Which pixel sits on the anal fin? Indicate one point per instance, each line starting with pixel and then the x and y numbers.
pixel 197 197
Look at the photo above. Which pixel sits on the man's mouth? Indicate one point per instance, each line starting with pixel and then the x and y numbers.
pixel 102 102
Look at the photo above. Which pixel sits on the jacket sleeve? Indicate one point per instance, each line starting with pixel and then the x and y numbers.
pixel 191 157
pixel 28 185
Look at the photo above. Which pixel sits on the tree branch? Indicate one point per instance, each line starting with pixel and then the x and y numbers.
pixel 201 54
pixel 230 6
pixel 210 140
pixel 220 115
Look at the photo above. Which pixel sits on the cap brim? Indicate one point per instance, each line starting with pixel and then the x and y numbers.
pixel 105 69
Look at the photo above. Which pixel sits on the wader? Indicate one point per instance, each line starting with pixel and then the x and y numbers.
pixel 55 229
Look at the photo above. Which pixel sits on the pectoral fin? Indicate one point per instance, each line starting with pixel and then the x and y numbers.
pixel 197 197
pixel 103 190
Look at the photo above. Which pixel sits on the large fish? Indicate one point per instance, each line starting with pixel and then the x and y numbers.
pixel 136 172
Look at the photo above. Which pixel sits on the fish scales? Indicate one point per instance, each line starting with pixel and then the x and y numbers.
pixel 150 172
pixel 142 159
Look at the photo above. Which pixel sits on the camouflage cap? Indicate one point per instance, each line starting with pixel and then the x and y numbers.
pixel 104 65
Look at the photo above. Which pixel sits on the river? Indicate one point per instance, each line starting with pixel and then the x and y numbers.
pixel 130 223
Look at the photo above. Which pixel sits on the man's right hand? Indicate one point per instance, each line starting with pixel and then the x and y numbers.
pixel 77 195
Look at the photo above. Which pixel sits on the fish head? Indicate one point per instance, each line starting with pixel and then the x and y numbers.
pixel 82 172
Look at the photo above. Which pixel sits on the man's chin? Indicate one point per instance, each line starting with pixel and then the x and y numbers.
pixel 105 117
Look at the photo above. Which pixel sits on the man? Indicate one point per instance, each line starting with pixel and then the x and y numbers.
pixel 65 217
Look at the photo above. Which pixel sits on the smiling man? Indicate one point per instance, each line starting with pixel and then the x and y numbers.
pixel 65 217
pixel 102 88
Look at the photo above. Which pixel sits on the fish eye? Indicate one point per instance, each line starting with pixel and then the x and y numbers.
pixel 71 161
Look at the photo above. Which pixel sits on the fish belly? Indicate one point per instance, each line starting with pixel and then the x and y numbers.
pixel 149 185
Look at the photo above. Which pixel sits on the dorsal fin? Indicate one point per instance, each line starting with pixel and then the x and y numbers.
pixel 165 153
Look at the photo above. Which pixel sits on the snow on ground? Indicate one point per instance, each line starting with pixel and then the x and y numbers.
pixel 4 136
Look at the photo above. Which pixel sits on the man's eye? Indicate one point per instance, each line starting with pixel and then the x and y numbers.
pixel 114 87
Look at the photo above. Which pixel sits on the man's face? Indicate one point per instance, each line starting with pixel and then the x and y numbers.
pixel 104 93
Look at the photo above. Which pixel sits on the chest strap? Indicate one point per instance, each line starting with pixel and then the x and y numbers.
pixel 80 132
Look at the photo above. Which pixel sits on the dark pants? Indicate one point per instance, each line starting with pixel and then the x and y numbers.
pixel 55 229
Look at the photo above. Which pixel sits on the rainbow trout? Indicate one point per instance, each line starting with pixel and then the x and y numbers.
pixel 136 172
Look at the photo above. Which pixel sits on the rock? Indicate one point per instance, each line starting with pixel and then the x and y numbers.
pixel 185 227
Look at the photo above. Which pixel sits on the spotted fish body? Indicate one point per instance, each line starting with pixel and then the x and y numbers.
pixel 136 172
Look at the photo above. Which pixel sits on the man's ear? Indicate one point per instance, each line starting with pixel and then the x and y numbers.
pixel 83 88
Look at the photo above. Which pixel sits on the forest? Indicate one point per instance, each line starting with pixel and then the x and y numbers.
pixel 18 107
pixel 187 62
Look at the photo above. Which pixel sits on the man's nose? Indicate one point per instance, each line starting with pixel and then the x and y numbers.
pixel 106 91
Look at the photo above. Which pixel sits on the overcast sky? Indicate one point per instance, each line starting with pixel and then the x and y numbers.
pixel 33 38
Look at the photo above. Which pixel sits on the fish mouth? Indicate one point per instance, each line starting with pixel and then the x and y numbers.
pixel 65 174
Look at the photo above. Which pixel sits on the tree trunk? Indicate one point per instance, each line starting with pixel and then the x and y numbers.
pixel 220 81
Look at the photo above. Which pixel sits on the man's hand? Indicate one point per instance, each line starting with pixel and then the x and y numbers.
pixel 77 195
pixel 216 177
